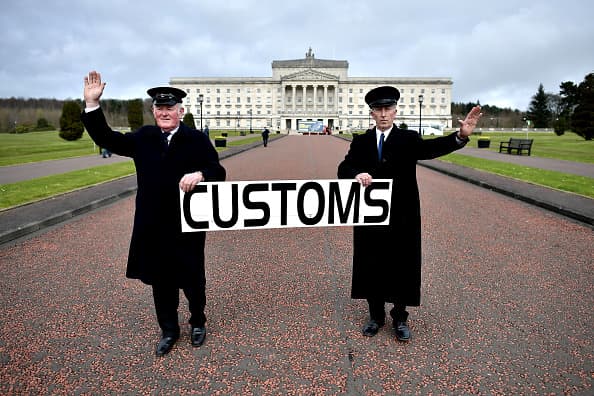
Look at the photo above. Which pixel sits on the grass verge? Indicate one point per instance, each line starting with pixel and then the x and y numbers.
pixel 561 181
pixel 20 193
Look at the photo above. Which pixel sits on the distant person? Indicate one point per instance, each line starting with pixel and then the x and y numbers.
pixel 105 153
pixel 265 134
pixel 387 259
pixel 206 131
pixel 168 157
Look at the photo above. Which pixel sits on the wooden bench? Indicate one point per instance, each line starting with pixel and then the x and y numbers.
pixel 516 146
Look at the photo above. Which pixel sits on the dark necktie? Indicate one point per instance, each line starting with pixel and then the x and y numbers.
pixel 379 147
pixel 165 136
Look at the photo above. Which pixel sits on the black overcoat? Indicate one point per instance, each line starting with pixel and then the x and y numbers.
pixel 159 251
pixel 387 259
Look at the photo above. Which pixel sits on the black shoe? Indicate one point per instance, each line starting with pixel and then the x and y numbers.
pixel 371 328
pixel 165 345
pixel 198 335
pixel 402 331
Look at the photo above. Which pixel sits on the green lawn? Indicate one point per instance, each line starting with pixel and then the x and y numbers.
pixel 561 181
pixel 569 146
pixel 19 193
pixel 41 146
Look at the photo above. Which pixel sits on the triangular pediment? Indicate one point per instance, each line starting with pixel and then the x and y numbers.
pixel 309 75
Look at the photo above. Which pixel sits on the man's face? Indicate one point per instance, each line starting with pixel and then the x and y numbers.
pixel 168 117
pixel 384 116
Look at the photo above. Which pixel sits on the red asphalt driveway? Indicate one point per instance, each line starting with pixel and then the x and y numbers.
pixel 507 302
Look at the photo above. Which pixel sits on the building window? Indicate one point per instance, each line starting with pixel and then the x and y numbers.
pixel 218 90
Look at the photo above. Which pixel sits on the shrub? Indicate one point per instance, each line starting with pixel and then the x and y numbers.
pixel 71 126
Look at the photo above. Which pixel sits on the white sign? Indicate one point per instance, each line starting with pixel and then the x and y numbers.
pixel 212 206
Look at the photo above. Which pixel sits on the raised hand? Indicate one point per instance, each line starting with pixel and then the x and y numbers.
pixel 469 123
pixel 93 89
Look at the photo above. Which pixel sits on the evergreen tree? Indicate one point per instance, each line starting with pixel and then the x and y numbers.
pixel 568 100
pixel 582 119
pixel 135 117
pixel 538 112
pixel 189 120
pixel 71 126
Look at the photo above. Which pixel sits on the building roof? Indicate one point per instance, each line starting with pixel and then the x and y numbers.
pixel 310 61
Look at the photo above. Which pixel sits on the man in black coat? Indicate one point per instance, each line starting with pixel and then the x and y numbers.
pixel 168 157
pixel 265 134
pixel 387 259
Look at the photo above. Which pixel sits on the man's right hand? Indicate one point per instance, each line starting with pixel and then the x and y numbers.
pixel 93 89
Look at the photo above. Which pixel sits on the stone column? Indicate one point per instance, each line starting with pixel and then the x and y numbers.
pixel 315 102
pixel 326 98
pixel 294 88
pixel 304 101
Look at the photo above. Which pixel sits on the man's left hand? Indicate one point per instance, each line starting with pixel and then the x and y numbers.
pixel 190 180
pixel 469 123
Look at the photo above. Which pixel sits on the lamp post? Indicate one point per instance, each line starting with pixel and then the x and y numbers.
pixel 420 112
pixel 250 113
pixel 200 100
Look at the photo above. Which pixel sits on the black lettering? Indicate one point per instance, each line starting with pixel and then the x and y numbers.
pixel 354 197
pixel 300 200
pixel 283 188
pixel 216 210
pixel 263 206
pixel 197 225
pixel 376 202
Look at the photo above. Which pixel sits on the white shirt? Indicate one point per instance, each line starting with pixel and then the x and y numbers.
pixel 378 134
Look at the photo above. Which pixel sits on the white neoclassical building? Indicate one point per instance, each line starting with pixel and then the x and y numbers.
pixel 304 91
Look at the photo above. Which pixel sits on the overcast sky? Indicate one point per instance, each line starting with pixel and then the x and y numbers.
pixel 497 52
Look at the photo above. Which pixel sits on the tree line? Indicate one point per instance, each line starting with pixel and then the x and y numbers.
pixel 19 115
pixel 571 109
